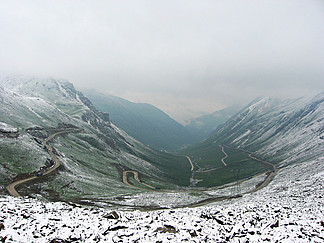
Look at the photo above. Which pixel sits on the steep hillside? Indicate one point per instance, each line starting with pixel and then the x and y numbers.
pixel 98 159
pixel 144 122
pixel 204 125
pixel 283 131
pixel 268 134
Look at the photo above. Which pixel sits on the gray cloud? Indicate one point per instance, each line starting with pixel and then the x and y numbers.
pixel 183 56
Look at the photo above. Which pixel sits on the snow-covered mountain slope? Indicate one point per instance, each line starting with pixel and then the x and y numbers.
pixel 290 209
pixel 93 158
pixel 204 125
pixel 282 131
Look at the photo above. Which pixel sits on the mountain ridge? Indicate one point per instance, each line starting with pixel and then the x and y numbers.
pixel 143 121
pixel 204 125
pixel 102 165
pixel 37 107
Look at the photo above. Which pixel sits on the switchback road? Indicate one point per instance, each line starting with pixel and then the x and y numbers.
pixel 136 177
pixel 11 188
pixel 226 155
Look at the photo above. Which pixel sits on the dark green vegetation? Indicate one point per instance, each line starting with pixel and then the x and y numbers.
pixel 94 158
pixel 145 122
pixel 210 170
pixel 88 157
pixel 177 167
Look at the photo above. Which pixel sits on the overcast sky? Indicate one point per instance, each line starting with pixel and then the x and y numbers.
pixel 187 57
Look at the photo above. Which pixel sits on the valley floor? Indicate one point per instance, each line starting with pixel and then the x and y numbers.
pixel 290 209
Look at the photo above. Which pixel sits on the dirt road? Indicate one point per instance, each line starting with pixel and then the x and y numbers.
pixel 136 177
pixel 192 166
pixel 226 155
pixel 11 188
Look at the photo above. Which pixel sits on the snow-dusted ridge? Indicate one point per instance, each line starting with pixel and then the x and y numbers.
pixel 282 131
pixel 88 157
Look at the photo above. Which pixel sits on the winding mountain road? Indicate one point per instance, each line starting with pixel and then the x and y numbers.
pixel 136 177
pixel 271 174
pixel 192 166
pixel 11 187
pixel 226 155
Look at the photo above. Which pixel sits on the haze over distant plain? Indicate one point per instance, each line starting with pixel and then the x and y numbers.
pixel 185 57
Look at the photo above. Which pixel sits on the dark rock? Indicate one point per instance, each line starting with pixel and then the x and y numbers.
pixel 74 239
pixel 276 224
pixel 58 241
pixel 219 221
pixel 166 229
pixel 206 216
pixel 2 226
pixel 73 205
pixel 25 216
pixel 119 227
pixel 3 239
pixel 193 233
pixel 112 215
pixel 53 219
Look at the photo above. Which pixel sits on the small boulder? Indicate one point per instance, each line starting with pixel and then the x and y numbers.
pixel 57 241
pixel 167 229
pixel 193 233
pixel 276 224
pixel 118 227
pixel 3 239
pixel 112 215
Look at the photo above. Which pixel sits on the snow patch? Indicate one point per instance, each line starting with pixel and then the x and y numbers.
pixel 241 136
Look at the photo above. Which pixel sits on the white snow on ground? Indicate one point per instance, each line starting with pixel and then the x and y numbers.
pixel 4 127
pixel 290 209
pixel 242 136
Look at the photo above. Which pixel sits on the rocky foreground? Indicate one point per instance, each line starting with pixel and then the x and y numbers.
pixel 290 209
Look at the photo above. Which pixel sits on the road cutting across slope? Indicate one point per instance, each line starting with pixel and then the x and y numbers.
pixel 226 155
pixel 192 166
pixel 11 187
pixel 136 177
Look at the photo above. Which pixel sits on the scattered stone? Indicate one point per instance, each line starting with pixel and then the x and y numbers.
pixel 276 224
pixel 112 215
pixel 25 216
pixel 3 239
pixel 58 241
pixel 253 218
pixel 73 205
pixel 119 227
pixel 219 221
pixel 193 233
pixel 166 229
pixel 53 219
pixel 207 216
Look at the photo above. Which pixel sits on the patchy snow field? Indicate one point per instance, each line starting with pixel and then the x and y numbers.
pixel 290 209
